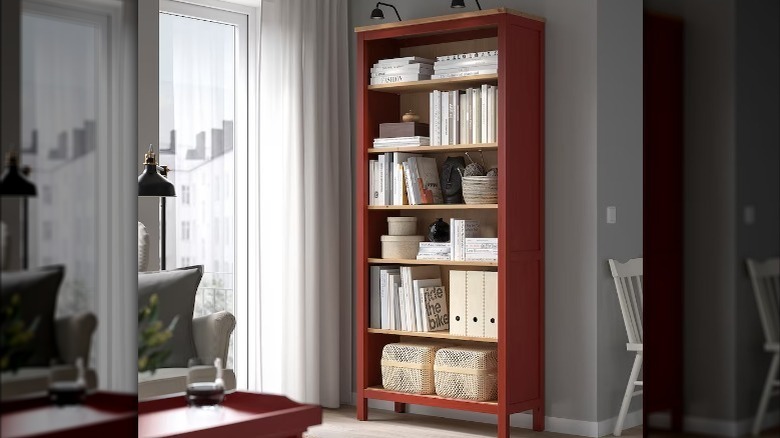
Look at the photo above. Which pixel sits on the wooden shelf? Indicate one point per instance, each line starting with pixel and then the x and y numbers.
pixel 435 207
pixel 435 149
pixel 378 261
pixel 437 335
pixel 379 393
pixel 436 84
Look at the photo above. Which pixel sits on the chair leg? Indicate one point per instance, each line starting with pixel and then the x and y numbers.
pixel 768 385
pixel 629 394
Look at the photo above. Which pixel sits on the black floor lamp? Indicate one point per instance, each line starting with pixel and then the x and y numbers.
pixel 14 183
pixel 153 183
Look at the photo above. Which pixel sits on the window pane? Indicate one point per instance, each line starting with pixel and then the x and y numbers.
pixel 197 107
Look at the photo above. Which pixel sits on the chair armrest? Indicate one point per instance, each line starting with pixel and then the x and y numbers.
pixel 74 336
pixel 212 335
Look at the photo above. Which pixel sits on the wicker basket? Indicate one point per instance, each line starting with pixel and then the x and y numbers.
pixel 408 367
pixel 480 189
pixel 468 373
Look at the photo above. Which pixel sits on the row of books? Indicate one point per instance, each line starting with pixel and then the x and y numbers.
pixel 464 245
pixel 408 298
pixel 400 178
pixel 464 116
pixel 465 64
pixel 405 69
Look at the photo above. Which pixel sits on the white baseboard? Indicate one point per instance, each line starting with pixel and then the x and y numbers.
pixel 523 420
pixel 715 427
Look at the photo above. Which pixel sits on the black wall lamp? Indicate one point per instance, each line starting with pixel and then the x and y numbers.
pixel 153 182
pixel 377 13
pixel 462 4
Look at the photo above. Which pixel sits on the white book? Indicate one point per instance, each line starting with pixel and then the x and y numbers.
pixel 433 256
pixel 468 68
pixel 463 136
pixel 388 299
pixel 389 179
pixel 434 251
pixel 399 190
pixel 380 191
pixel 487 71
pixel 434 245
pixel 379 315
pixel 458 303
pixel 486 53
pixel 419 300
pixel 435 309
pixel 372 193
pixel 393 285
pixel 475 303
pixel 469 138
pixel 491 113
pixel 495 115
pixel 409 184
pixel 445 117
pixel 491 304
pixel 392 79
pixel 465 228
pixel 454 117
pixel 485 60
pixel 394 140
pixel 476 112
pixel 454 224
pixel 481 258
pixel 436 119
pixel 428 174
pixel 407 69
pixel 483 117
pixel 409 59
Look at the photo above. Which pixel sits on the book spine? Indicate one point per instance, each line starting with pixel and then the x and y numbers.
pixel 392 79
pixel 381 181
pixel 469 127
pixel 461 69
pixel 487 53
pixel 409 188
pixel 454 224
pixel 454 103
pixel 488 71
pixel 484 114
pixel 372 195
pixel 408 69
pixel 475 113
pixel 436 120
pixel 472 62
pixel 389 179
pixel 491 114
pixel 462 120
pixel 445 117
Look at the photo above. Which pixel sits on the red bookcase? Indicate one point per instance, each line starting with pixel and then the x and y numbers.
pixel 517 218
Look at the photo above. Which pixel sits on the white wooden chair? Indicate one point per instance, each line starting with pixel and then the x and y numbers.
pixel 628 283
pixel 765 277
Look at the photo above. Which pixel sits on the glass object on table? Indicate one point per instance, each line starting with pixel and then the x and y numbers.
pixel 205 386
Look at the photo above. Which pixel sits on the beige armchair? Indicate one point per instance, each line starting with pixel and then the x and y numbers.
pixel 74 339
pixel 212 339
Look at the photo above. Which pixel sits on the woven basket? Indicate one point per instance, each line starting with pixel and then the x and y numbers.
pixel 480 189
pixel 408 367
pixel 468 373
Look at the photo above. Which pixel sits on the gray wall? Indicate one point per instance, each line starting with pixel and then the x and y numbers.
pixel 620 145
pixel 576 148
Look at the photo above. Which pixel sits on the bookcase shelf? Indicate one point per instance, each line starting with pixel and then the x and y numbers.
pixel 437 335
pixel 438 149
pixel 378 261
pixel 435 207
pixel 436 84
pixel 517 219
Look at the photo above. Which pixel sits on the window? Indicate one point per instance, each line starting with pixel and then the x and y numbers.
pixel 202 59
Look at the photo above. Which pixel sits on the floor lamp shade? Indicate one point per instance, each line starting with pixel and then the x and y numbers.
pixel 14 183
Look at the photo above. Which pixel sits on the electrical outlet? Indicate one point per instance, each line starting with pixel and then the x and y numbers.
pixel 611 215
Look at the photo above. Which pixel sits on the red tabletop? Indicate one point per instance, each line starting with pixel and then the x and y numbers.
pixel 242 414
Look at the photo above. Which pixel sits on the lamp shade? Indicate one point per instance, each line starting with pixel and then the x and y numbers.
pixel 13 183
pixel 377 14
pixel 150 182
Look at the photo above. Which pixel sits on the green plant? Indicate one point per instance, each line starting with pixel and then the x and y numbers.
pixel 16 340
pixel 152 337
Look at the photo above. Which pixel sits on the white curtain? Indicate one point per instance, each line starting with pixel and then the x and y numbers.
pixel 304 197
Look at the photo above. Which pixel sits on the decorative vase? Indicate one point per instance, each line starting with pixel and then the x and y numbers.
pixel 410 116
pixel 439 231
pixel 450 176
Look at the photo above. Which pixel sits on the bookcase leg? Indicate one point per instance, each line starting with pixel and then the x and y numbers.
pixel 400 407
pixel 503 425
pixel 362 409
pixel 538 414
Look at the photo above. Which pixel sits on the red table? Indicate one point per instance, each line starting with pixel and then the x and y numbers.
pixel 102 414
pixel 242 414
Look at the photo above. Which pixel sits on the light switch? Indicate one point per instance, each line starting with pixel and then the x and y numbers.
pixel 749 214
pixel 611 215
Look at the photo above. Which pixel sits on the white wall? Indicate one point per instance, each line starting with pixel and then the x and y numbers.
pixel 583 137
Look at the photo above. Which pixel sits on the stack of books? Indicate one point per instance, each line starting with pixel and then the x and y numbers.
pixel 464 116
pixel 406 69
pixel 481 249
pixel 409 298
pixel 434 251
pixel 400 178
pixel 466 64
pixel 398 142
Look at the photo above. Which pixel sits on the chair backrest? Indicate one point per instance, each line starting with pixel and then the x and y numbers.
pixel 628 283
pixel 766 286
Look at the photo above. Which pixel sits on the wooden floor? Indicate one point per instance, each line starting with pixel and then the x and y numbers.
pixel 341 423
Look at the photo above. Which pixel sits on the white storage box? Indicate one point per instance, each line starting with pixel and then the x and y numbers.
pixel 469 373
pixel 401 226
pixel 400 247
pixel 408 367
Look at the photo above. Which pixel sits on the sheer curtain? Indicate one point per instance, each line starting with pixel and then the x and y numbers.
pixel 305 235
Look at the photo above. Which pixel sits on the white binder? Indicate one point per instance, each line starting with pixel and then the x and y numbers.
pixel 475 303
pixel 491 304
pixel 458 303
